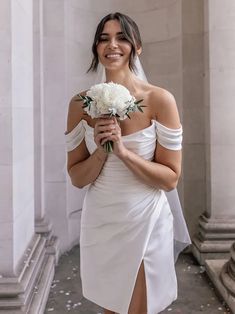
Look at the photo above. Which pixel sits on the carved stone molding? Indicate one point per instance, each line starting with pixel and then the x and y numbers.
pixel 28 291
pixel 222 274
pixel 227 274
pixel 214 239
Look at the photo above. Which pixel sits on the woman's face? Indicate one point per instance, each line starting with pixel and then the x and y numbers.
pixel 113 49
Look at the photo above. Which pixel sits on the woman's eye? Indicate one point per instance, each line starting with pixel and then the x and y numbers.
pixel 122 38
pixel 103 39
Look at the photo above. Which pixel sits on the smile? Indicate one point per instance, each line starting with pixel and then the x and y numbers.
pixel 113 55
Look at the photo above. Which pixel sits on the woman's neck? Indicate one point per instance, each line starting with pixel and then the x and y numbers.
pixel 125 78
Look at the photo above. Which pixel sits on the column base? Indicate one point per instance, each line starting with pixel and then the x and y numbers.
pixel 43 226
pixel 213 240
pixel 214 269
pixel 28 291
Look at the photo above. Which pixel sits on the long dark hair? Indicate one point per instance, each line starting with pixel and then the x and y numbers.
pixel 130 31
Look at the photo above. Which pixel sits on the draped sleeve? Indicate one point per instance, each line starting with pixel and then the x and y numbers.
pixel 169 138
pixel 74 138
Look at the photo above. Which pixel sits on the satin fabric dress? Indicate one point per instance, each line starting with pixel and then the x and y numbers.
pixel 124 222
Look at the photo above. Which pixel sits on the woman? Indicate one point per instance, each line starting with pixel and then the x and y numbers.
pixel 127 254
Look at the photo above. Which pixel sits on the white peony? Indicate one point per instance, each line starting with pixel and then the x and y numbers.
pixel 109 98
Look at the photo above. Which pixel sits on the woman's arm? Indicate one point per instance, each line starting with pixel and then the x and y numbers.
pixel 85 171
pixel 153 173
pixel 82 167
pixel 165 170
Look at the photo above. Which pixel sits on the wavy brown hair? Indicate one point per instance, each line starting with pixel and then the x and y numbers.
pixel 130 31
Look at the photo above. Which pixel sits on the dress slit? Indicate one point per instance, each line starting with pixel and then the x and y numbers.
pixel 145 255
pixel 133 290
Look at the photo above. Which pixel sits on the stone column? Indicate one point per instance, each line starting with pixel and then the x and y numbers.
pixel 217 224
pixel 193 112
pixel 17 152
pixel 24 287
pixel 42 224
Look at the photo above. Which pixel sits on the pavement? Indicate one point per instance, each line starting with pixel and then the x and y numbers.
pixel 196 293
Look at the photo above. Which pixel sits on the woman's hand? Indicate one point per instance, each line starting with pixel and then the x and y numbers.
pixel 108 129
pixel 119 148
pixel 102 130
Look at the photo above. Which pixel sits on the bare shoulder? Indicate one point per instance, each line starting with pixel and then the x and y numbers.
pixel 75 111
pixel 163 106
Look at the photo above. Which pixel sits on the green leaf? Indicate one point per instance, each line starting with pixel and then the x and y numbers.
pixel 85 99
pixel 140 109
pixel 138 101
pixel 80 98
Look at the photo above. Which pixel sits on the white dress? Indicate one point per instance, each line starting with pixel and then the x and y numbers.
pixel 124 222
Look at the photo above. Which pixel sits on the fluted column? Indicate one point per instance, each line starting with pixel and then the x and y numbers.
pixel 42 223
pixel 217 224
pixel 27 259
pixel 16 135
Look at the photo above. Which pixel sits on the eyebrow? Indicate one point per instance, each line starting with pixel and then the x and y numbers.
pixel 107 34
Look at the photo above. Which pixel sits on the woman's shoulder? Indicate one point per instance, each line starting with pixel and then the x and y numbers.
pixel 74 102
pixel 75 111
pixel 157 94
pixel 163 106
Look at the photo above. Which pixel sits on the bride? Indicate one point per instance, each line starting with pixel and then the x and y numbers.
pixel 128 229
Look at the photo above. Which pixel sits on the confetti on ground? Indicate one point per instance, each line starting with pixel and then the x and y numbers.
pixel 195 289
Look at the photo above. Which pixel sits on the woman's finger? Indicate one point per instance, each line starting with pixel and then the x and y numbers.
pixel 105 128
pixel 114 138
pixel 101 136
pixel 106 121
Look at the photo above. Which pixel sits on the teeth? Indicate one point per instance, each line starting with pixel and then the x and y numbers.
pixel 113 55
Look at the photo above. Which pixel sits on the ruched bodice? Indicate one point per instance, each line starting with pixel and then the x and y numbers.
pixel 115 177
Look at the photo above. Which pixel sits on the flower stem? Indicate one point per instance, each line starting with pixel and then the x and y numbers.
pixel 108 146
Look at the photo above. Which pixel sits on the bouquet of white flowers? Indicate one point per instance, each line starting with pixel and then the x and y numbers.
pixel 110 99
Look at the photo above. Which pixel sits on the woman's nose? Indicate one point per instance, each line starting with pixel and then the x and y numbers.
pixel 113 43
